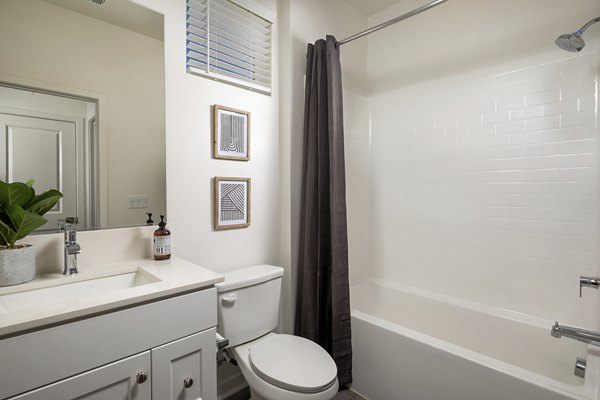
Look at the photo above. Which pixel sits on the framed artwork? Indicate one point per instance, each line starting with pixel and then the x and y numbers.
pixel 231 133
pixel 232 203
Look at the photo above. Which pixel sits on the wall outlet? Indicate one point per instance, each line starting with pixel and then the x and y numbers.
pixel 138 201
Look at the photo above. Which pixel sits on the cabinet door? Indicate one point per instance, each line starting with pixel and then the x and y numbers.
pixel 186 369
pixel 116 381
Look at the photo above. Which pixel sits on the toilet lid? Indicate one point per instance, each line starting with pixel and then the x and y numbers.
pixel 293 363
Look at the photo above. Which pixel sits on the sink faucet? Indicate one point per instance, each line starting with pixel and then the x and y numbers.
pixel 583 335
pixel 71 246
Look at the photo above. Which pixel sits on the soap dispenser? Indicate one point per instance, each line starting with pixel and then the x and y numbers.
pixel 162 241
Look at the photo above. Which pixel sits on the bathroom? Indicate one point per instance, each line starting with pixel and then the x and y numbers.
pixel 471 179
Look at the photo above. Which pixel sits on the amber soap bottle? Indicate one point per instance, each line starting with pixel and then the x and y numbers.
pixel 162 241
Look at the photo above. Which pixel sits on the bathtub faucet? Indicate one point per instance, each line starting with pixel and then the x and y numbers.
pixel 583 335
pixel 588 281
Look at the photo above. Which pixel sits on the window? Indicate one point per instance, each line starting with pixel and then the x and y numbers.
pixel 229 43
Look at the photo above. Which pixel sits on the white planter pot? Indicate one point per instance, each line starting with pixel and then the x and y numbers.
pixel 17 265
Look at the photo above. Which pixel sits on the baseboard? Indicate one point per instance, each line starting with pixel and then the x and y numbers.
pixel 358 393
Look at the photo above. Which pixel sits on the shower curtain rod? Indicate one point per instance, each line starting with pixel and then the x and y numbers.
pixel 391 21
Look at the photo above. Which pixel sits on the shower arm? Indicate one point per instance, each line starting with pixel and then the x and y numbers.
pixel 587 25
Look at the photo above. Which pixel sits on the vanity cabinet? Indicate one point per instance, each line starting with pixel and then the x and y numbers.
pixel 185 369
pixel 161 350
pixel 116 381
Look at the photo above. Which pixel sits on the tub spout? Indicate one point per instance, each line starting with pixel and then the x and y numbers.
pixel 583 335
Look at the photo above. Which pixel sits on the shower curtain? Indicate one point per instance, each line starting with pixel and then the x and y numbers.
pixel 323 300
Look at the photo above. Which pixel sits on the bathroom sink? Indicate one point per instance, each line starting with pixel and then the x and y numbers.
pixel 73 289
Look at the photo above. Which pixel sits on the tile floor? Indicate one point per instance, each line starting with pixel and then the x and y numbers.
pixel 343 395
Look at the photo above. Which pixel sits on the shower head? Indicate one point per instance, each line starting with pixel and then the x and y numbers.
pixel 572 41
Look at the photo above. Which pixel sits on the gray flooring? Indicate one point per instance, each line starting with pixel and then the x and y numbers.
pixel 348 395
pixel 343 395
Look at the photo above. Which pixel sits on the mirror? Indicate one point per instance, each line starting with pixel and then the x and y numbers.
pixel 82 107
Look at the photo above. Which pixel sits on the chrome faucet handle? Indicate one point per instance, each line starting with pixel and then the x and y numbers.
pixel 588 281
pixel 63 225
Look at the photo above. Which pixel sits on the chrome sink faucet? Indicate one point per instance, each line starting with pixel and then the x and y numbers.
pixel 71 246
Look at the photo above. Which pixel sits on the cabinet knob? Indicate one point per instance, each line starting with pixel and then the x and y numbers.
pixel 141 377
pixel 188 382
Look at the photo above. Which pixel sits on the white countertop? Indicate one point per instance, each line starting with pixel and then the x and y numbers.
pixel 167 278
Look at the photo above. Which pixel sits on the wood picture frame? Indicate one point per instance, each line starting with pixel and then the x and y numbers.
pixel 231 133
pixel 232 203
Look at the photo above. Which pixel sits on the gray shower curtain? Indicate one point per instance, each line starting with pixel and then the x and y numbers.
pixel 323 301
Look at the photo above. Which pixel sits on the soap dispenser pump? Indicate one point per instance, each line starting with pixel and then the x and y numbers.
pixel 162 241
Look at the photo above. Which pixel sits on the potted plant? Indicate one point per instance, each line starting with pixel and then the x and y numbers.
pixel 21 212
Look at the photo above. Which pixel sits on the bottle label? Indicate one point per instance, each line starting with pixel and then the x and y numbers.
pixel 162 245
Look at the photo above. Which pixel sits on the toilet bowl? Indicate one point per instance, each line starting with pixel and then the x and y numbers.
pixel 286 379
pixel 275 366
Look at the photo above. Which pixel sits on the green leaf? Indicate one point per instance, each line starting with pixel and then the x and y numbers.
pixel 23 222
pixel 17 193
pixel 7 235
pixel 21 210
pixel 44 202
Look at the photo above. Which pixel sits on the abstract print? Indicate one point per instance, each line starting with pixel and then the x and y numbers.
pixel 233 202
pixel 233 133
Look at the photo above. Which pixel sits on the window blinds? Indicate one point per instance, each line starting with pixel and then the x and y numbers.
pixel 227 42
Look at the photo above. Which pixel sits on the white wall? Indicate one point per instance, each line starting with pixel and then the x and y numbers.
pixel 188 100
pixel 190 167
pixel 485 155
pixel 122 68
pixel 305 22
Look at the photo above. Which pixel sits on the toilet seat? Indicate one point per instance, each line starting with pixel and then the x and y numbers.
pixel 293 363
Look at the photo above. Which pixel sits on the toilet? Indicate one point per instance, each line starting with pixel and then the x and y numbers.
pixel 275 366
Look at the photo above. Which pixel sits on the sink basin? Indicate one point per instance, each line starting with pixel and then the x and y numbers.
pixel 70 289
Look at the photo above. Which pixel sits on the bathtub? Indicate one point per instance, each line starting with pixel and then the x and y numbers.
pixel 410 344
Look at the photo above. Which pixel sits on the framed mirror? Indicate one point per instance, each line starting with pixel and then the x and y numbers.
pixel 82 107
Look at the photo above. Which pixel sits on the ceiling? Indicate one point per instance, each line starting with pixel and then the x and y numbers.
pixel 125 14
pixel 371 7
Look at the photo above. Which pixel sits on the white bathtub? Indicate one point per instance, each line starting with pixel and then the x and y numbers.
pixel 410 344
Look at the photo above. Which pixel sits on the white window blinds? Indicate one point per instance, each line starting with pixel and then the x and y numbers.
pixel 228 43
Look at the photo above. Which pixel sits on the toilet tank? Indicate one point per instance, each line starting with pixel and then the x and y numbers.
pixel 248 303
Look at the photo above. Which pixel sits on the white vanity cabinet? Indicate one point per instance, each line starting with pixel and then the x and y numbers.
pixel 116 381
pixel 185 369
pixel 159 350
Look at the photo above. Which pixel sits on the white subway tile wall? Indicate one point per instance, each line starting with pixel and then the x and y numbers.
pixel 485 186
pixel 356 146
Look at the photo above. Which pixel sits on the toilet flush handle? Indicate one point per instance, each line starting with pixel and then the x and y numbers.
pixel 229 299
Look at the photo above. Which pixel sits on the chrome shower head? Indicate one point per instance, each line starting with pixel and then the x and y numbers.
pixel 572 41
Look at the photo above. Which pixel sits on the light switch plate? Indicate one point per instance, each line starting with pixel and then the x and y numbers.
pixel 138 201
